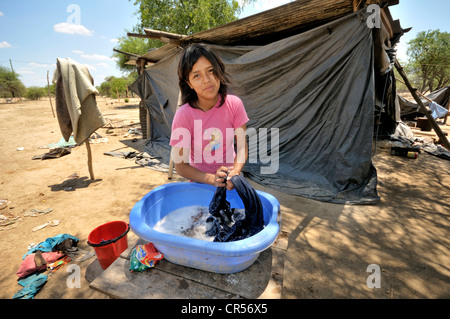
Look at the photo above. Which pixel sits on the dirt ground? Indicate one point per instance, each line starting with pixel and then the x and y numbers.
pixel 330 246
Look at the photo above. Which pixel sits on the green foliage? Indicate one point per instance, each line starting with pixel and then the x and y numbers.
pixel 10 84
pixel 185 16
pixel 429 60
pixel 35 93
pixel 113 85
pixel 176 16
pixel 133 45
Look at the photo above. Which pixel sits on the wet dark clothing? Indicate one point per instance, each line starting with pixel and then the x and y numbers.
pixel 229 224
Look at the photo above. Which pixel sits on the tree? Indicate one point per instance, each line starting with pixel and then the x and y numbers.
pixel 10 84
pixel 176 16
pixel 35 92
pixel 113 85
pixel 133 45
pixel 186 16
pixel 429 59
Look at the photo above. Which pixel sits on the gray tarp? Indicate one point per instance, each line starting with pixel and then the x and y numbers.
pixel 410 109
pixel 316 88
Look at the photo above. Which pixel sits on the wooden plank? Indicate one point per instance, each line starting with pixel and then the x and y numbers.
pixel 294 15
pixel 119 283
pixel 250 283
pixel 166 37
pixel 386 23
pixel 264 279
pixel 137 35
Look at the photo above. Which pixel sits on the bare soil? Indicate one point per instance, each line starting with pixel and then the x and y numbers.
pixel 329 247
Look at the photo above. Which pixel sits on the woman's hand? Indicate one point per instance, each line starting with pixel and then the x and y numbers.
pixel 231 173
pixel 222 177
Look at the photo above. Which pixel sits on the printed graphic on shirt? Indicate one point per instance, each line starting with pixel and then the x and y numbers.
pixel 215 139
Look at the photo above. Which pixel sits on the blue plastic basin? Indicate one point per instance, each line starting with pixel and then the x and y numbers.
pixel 225 258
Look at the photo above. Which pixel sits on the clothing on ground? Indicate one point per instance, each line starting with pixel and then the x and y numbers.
pixel 31 286
pixel 59 242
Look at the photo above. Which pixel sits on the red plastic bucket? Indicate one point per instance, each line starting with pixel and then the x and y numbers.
pixel 109 241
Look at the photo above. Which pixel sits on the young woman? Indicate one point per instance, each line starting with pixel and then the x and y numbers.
pixel 211 124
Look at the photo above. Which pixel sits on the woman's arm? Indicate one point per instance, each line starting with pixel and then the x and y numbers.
pixel 241 154
pixel 241 149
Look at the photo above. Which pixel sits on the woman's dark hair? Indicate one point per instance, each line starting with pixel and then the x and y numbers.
pixel 189 57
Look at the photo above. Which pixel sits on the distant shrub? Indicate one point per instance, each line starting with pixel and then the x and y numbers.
pixel 35 93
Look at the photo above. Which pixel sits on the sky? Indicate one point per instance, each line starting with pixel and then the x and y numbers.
pixel 34 33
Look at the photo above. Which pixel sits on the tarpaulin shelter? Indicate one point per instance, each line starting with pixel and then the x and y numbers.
pixel 410 110
pixel 317 71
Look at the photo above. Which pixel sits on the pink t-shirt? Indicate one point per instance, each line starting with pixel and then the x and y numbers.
pixel 209 135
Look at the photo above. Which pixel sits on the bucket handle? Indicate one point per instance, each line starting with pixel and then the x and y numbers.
pixel 107 242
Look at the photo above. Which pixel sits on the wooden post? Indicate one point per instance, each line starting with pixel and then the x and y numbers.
pixel 89 153
pixel 49 96
pixel 148 122
pixel 448 108
pixel 171 164
pixel 422 107
pixel 144 120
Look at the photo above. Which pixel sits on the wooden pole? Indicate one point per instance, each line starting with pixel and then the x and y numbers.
pixel 89 153
pixel 422 107
pixel 49 96
pixel 448 108
pixel 171 164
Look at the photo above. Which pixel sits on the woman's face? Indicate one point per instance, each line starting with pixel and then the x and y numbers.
pixel 203 80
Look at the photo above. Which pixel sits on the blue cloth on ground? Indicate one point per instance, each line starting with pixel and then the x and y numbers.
pixel 223 216
pixel 50 243
pixel 31 286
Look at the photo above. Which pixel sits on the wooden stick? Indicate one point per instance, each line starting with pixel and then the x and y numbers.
pixel 171 164
pixel 88 148
pixel 429 100
pixel 421 94
pixel 422 107
pixel 448 108
pixel 49 96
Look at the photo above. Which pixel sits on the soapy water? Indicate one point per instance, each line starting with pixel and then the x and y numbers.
pixel 186 221
pixel 190 221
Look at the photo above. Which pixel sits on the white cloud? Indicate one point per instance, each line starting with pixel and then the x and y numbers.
pixel 90 67
pixel 104 65
pixel 96 57
pixel 72 28
pixel 78 51
pixel 25 72
pixel 1 14
pixel 4 44
pixel 114 40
